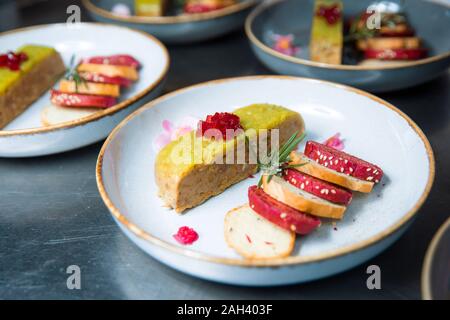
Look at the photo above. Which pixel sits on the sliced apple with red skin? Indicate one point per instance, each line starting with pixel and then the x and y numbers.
pixel 279 213
pixel 396 54
pixel 115 60
pixel 109 70
pixel 200 8
pixel 397 33
pixel 317 187
pixel 99 78
pixel 81 100
pixel 91 88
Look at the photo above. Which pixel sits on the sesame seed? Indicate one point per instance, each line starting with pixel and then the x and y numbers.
pixel 376 180
pixel 369 178
pixel 283 215
pixel 368 169
pixel 345 161
pixel 293 228
pixel 302 186
pixel 252 206
pixel 351 169
pixel 342 169
pixel 331 158
pixel 336 161
pixel 333 191
pixel 307 182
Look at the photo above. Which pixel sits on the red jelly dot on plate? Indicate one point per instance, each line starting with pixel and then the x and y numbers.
pixel 186 235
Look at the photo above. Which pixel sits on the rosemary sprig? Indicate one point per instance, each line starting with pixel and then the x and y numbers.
pixel 279 159
pixel 72 74
pixel 361 32
pixel 358 33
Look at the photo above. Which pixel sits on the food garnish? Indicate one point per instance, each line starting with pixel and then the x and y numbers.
pixel 285 44
pixel 279 159
pixel 331 13
pixel 186 235
pixel 335 142
pixel 73 75
pixel 221 121
pixel 12 60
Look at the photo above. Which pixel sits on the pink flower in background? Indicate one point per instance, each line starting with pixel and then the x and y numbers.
pixel 284 44
pixel 172 132
pixel 121 9
pixel 335 142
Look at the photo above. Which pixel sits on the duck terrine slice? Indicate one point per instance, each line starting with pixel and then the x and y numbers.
pixel 21 86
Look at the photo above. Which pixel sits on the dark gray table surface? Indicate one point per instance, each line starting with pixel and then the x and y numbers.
pixel 51 215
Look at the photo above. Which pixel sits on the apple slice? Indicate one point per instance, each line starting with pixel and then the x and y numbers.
pixel 99 78
pixel 101 89
pixel 342 162
pixel 279 213
pixel 81 100
pixel 317 187
pixel 109 70
pixel 396 54
pixel 115 60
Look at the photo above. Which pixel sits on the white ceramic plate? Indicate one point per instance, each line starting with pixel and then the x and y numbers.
pixel 26 137
pixel 372 129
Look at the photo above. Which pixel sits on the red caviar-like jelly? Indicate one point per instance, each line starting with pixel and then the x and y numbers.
pixel 12 60
pixel 220 121
pixel 331 13
pixel 186 235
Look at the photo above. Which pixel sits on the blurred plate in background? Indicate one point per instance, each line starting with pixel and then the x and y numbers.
pixel 185 28
pixel 430 20
pixel 25 136
pixel 436 267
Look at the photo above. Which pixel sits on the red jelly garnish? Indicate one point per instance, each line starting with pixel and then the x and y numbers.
pixel 220 121
pixel 186 235
pixel 12 60
pixel 331 13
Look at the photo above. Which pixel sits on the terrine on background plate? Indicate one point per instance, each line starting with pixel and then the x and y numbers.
pixel 24 77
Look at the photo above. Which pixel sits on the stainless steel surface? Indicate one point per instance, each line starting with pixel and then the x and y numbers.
pixel 52 215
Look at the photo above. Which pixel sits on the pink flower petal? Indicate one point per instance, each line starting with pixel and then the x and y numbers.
pixel 167 126
pixel 335 142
